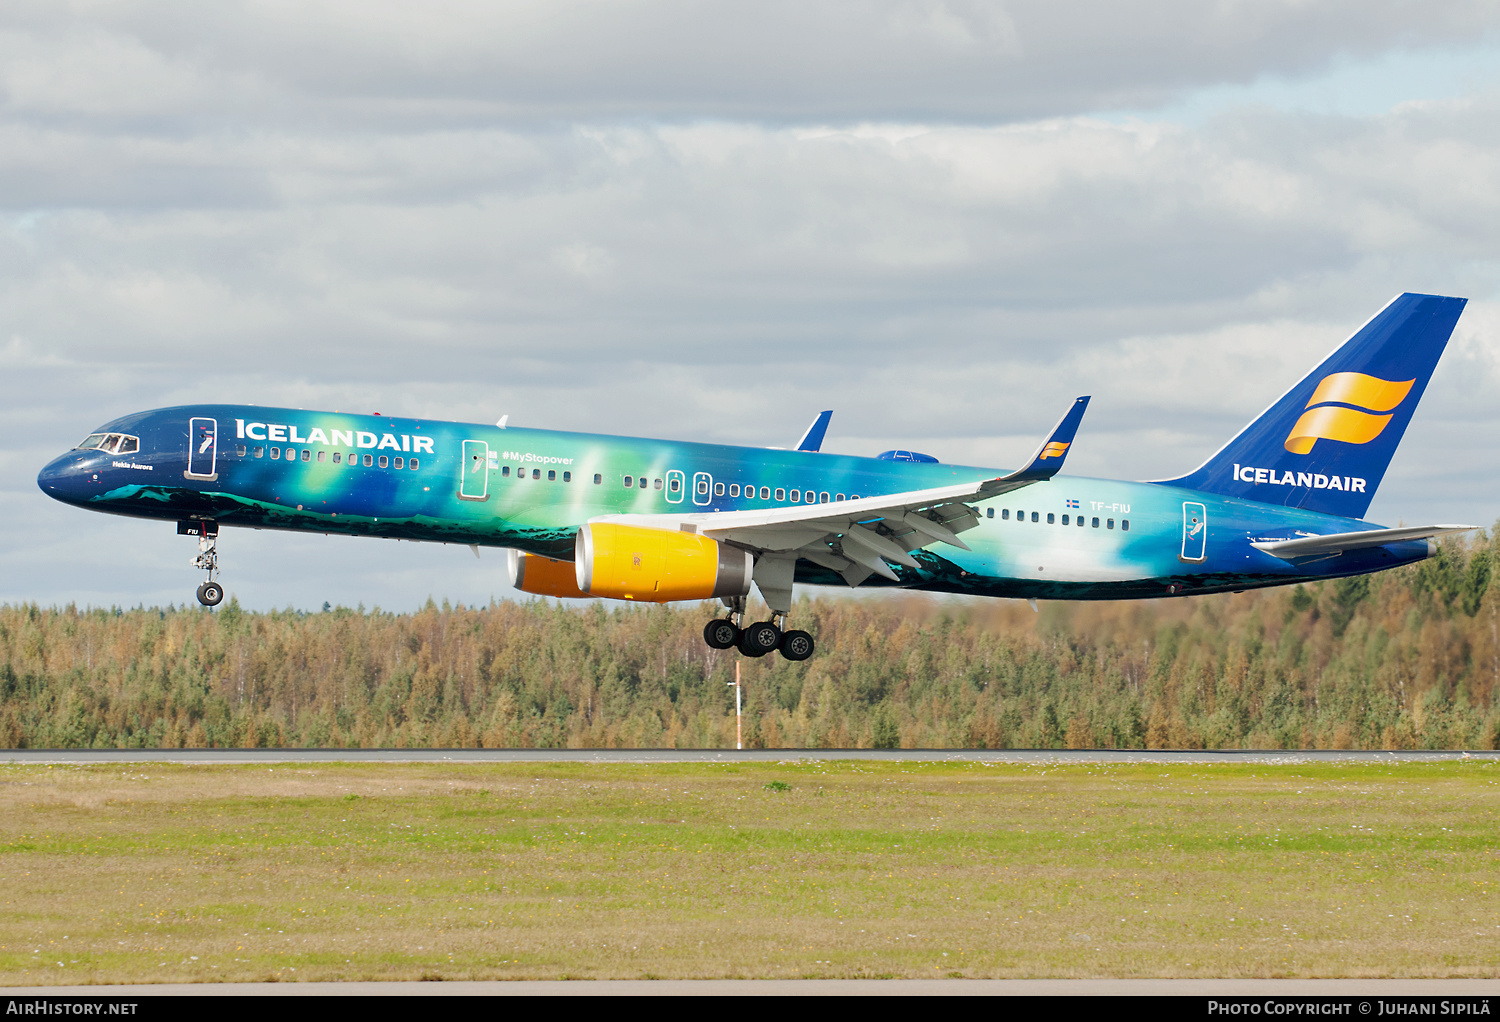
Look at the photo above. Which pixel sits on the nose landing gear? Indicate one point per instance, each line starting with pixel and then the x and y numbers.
pixel 210 593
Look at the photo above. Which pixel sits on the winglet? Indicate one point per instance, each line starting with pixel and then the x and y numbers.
pixel 1048 459
pixel 812 440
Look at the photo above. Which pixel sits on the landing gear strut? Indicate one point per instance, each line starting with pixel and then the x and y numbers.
pixel 210 593
pixel 756 640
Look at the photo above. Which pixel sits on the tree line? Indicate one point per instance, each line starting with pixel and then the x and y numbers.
pixel 1407 659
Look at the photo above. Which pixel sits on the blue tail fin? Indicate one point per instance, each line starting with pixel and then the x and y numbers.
pixel 1326 444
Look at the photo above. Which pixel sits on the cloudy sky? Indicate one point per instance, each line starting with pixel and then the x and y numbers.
pixel 942 220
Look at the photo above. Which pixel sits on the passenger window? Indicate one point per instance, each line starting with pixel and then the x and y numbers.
pixel 384 461
pixel 734 489
pixel 823 497
pixel 306 454
pixel 397 463
pixel 239 452
pixel 536 473
pixel 291 454
pixel 765 493
pixel 504 471
pixel 369 460
pixel 259 452
pixel 1051 518
pixel 838 496
pixel 275 453
pixel 1080 521
pixel 641 482
pixel 629 482
pixel 322 455
pixel 780 493
pixel 674 485
pixel 796 496
pixel 702 487
pixel 1096 523
pixel 718 489
pixel 1124 524
pixel 567 477
pixel 1005 514
pixel 413 464
pixel 1035 516
pixel 656 483
pixel 337 458
pixel 598 479
pixel 552 475
pixel 1110 524
pixel 989 512
pixel 353 458
pixel 1065 520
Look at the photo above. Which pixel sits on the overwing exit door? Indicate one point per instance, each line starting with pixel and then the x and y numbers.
pixel 203 449
pixel 703 488
pixel 1194 532
pixel 474 480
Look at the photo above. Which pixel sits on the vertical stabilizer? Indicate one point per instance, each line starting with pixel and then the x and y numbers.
pixel 1326 444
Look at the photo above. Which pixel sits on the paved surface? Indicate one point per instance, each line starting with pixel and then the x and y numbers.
pixel 1354 988
pixel 721 756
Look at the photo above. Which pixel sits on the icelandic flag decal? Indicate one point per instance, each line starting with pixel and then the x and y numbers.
pixel 1072 503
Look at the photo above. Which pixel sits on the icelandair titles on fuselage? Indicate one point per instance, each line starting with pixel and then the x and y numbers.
pixel 1310 480
pixel 284 434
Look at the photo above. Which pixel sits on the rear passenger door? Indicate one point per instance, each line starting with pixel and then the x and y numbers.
pixel 1194 532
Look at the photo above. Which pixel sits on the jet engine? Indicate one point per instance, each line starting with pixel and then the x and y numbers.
pixel 627 562
pixel 543 576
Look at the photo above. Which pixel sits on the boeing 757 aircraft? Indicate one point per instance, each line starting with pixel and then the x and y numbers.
pixel 659 520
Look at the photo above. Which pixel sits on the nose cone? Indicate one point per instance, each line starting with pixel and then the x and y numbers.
pixel 64 479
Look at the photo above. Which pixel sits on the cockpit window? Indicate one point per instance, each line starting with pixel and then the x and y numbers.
pixel 110 443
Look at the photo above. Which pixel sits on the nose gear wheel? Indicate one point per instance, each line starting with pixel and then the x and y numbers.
pixel 210 593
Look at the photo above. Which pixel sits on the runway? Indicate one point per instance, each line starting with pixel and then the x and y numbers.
pixel 1030 756
pixel 1368 990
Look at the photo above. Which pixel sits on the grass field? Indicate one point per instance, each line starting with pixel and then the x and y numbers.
pixel 528 871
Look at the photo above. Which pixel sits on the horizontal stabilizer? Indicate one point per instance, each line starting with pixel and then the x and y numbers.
pixel 812 440
pixel 1326 546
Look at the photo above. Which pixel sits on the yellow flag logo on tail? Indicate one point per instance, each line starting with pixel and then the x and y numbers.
pixel 1347 425
pixel 1053 450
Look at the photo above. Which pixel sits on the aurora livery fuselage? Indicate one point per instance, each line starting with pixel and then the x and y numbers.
pixel 538 486
pixel 1303 473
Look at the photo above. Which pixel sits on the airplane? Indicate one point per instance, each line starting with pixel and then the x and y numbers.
pixel 654 521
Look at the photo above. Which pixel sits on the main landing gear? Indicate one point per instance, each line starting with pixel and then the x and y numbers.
pixel 210 593
pixel 756 640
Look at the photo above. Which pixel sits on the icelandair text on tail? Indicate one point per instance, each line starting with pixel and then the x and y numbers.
pixel 1310 480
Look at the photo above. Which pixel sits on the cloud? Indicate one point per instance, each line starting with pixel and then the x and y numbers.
pixel 366 61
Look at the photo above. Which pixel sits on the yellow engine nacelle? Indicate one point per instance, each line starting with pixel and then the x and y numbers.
pixel 627 562
pixel 543 576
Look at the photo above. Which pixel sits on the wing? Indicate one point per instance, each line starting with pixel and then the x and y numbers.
pixel 1310 547
pixel 857 537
